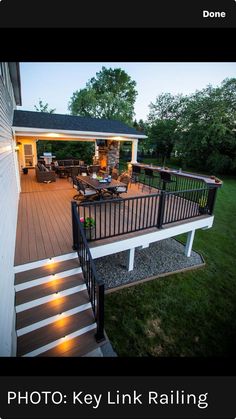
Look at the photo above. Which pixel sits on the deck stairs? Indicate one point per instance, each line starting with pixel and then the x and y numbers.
pixel 54 316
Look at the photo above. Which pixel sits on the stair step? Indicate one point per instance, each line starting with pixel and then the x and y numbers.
pixel 39 338
pixel 56 285
pixel 52 308
pixel 47 270
pixel 50 320
pixel 78 346
pixel 49 298
pixel 38 263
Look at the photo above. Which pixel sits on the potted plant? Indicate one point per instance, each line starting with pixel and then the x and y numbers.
pixel 203 205
pixel 88 224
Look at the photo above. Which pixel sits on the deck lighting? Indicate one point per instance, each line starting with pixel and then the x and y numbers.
pixel 53 135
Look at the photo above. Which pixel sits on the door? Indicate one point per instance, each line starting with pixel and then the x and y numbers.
pixel 28 155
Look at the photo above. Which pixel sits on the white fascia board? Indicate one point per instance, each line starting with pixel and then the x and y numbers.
pixel 146 239
pixel 22 131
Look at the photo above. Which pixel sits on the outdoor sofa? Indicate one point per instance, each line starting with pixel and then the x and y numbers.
pixel 43 174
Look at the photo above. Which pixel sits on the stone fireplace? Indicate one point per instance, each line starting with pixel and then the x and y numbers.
pixel 109 154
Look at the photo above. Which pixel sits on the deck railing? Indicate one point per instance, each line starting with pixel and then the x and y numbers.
pixel 114 217
pixel 94 284
pixel 120 216
pixel 182 205
pixel 178 182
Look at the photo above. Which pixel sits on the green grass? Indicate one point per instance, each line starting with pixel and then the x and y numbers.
pixel 187 314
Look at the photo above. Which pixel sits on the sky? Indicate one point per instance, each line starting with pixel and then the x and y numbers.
pixel 55 83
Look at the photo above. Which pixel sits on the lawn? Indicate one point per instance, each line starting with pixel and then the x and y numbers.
pixel 188 314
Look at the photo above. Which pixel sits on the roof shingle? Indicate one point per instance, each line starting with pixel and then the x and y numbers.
pixel 29 119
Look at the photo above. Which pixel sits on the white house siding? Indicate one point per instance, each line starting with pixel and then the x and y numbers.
pixel 9 193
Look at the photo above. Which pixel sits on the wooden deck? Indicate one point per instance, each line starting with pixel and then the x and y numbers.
pixel 44 219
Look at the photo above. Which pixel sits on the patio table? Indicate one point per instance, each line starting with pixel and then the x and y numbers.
pixel 100 186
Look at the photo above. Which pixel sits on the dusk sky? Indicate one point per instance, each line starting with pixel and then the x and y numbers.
pixel 55 82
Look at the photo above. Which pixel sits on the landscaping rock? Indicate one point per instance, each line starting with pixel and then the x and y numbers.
pixel 159 258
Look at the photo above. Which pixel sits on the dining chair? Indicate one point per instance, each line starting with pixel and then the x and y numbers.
pixel 84 192
pixel 126 179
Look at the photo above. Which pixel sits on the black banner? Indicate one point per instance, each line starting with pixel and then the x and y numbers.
pixel 122 14
pixel 117 397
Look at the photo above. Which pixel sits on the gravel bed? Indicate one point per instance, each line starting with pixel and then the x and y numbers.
pixel 165 256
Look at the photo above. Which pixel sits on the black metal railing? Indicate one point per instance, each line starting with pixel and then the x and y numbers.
pixel 177 183
pixel 182 205
pixel 94 284
pixel 116 217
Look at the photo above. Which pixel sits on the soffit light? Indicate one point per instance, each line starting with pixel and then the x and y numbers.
pixel 53 135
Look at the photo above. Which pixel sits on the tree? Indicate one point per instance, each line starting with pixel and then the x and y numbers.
pixel 140 126
pixel 163 136
pixel 163 123
pixel 67 149
pixel 111 94
pixel 200 127
pixel 208 138
pixel 167 106
pixel 41 107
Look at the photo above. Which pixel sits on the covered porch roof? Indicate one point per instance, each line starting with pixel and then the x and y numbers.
pixel 68 127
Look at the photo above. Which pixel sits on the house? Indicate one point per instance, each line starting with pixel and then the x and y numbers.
pixel 51 299
pixel 10 96
pixel 19 133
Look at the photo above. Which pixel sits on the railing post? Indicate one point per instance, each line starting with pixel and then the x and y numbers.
pixel 161 209
pixel 100 312
pixel 75 227
pixel 211 199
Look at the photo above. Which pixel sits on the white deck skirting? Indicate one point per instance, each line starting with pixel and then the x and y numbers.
pixel 145 240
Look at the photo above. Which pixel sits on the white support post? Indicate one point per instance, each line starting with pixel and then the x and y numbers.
pixel 96 153
pixel 189 244
pixel 134 151
pixel 130 261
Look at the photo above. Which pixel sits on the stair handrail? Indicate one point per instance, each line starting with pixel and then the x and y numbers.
pixel 95 285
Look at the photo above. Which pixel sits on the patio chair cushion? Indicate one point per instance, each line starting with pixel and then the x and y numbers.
pixel 88 191
pixel 121 189
pixel 43 168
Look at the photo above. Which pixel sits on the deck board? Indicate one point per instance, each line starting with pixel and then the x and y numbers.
pixel 44 227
